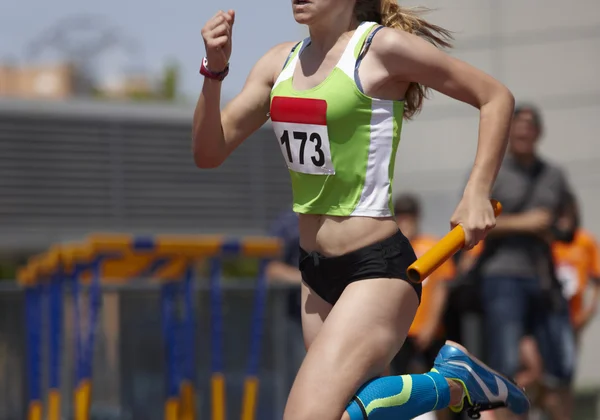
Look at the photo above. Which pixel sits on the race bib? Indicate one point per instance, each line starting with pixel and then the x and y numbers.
pixel 567 275
pixel 301 127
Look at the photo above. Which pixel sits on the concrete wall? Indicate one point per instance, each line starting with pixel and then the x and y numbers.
pixel 547 52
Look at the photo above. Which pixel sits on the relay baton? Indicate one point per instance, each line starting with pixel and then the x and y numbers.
pixel 441 251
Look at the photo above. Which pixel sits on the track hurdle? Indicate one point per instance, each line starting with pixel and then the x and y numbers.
pixel 120 257
pixel 78 261
pixel 33 317
pixel 179 334
pixel 43 290
pixel 45 279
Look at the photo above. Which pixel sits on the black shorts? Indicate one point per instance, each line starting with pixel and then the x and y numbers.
pixel 409 355
pixel 329 276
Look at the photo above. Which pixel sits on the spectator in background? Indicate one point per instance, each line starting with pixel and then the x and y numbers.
pixel 530 365
pixel 425 337
pixel 577 263
pixel 578 267
pixel 285 271
pixel 518 282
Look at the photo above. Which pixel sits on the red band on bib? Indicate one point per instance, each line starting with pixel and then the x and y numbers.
pixel 299 110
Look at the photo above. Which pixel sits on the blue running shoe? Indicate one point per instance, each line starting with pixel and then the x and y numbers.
pixel 484 388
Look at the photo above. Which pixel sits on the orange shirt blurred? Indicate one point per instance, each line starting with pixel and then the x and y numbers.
pixel 445 272
pixel 575 264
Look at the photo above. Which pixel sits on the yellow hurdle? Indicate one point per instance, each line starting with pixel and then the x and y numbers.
pixel 54 405
pixel 218 396
pixel 83 400
pixel 34 411
pixel 250 398
pixel 172 409
pixel 187 408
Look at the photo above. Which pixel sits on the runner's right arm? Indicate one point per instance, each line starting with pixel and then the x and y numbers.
pixel 216 133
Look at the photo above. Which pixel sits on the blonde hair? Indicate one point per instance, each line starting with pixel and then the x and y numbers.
pixel 389 13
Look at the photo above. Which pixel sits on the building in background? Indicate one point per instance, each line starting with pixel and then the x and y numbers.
pixel 124 87
pixel 49 82
pixel 64 80
pixel 80 166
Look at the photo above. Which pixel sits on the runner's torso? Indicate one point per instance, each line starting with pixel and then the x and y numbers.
pixel 339 145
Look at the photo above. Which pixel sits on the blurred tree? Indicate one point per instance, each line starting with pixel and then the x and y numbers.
pixel 142 95
pixel 232 268
pixel 240 268
pixel 170 81
pixel 10 264
pixel 137 87
pixel 97 93
pixel 8 271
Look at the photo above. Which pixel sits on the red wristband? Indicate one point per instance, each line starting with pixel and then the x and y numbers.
pixel 204 71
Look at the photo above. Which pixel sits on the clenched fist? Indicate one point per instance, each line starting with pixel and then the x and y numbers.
pixel 217 40
pixel 475 214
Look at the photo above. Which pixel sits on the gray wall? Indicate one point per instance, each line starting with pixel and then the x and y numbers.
pixel 79 166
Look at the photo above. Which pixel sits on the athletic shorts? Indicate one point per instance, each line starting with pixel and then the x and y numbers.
pixel 329 276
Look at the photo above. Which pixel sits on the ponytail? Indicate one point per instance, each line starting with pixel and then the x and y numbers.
pixel 389 13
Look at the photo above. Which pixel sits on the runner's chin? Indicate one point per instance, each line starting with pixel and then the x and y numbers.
pixel 303 13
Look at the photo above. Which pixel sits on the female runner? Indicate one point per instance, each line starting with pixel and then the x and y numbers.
pixel 334 102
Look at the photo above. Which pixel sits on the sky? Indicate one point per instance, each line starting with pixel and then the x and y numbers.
pixel 159 30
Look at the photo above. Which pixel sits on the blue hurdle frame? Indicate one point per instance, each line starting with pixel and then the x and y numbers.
pixel 179 327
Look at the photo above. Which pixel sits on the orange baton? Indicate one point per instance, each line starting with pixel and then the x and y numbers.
pixel 441 251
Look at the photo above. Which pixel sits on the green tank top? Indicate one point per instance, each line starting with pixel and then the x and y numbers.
pixel 338 143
